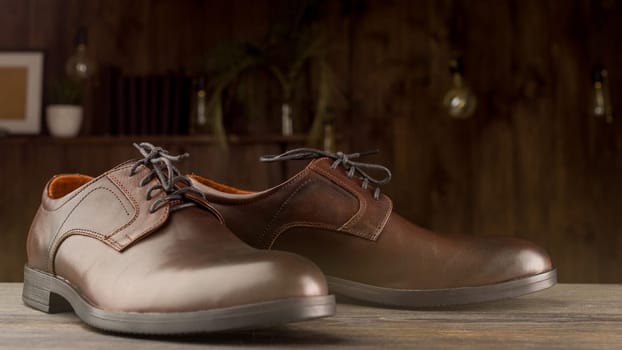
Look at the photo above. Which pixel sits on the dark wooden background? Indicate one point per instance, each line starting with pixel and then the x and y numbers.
pixel 531 162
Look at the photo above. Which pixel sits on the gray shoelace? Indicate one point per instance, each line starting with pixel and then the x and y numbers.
pixel 339 158
pixel 159 160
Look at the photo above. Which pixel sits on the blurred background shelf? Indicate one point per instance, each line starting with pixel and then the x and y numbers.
pixel 233 140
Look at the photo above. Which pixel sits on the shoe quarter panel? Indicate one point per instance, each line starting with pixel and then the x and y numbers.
pixel 143 222
pixel 372 214
pixel 111 209
pixel 305 200
pixel 314 202
pixel 102 209
pixel 327 199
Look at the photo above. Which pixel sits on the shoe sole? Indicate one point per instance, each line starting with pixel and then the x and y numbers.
pixel 441 297
pixel 47 293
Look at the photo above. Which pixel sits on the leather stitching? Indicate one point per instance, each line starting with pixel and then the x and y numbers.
pixel 362 203
pixel 134 202
pixel 68 198
pixel 261 238
pixel 307 224
pixel 54 242
pixel 111 238
pixel 383 223
pixel 356 218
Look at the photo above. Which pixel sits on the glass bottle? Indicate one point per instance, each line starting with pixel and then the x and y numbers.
pixel 199 122
pixel 601 101
pixel 287 125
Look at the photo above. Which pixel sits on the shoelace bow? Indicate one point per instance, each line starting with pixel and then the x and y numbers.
pixel 159 160
pixel 339 158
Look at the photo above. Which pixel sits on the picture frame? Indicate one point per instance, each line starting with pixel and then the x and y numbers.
pixel 21 80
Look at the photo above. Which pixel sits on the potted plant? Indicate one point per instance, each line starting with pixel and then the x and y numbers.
pixel 64 113
pixel 291 46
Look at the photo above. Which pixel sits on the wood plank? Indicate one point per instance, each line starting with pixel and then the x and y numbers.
pixel 568 316
pixel 14 19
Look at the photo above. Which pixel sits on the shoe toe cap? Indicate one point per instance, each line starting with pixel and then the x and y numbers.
pixel 516 259
pixel 289 275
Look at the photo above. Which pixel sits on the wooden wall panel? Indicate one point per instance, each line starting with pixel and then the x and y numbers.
pixel 530 162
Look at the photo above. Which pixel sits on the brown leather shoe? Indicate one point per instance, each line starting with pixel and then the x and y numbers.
pixel 329 213
pixel 138 250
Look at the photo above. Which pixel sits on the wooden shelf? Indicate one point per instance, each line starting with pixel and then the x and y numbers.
pixel 177 139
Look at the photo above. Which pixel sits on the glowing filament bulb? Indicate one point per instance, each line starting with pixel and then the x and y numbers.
pixel 459 101
pixel 79 66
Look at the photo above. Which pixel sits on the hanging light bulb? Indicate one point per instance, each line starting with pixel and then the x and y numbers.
pixel 601 101
pixel 79 66
pixel 459 100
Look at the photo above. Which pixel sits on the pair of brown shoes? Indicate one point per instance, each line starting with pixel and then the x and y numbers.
pixel 145 249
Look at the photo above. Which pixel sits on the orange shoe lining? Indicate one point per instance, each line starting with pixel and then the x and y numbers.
pixel 63 184
pixel 218 186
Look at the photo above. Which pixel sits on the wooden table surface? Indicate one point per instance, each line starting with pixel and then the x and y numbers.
pixel 568 316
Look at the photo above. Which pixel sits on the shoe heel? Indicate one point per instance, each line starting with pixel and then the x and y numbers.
pixel 37 293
